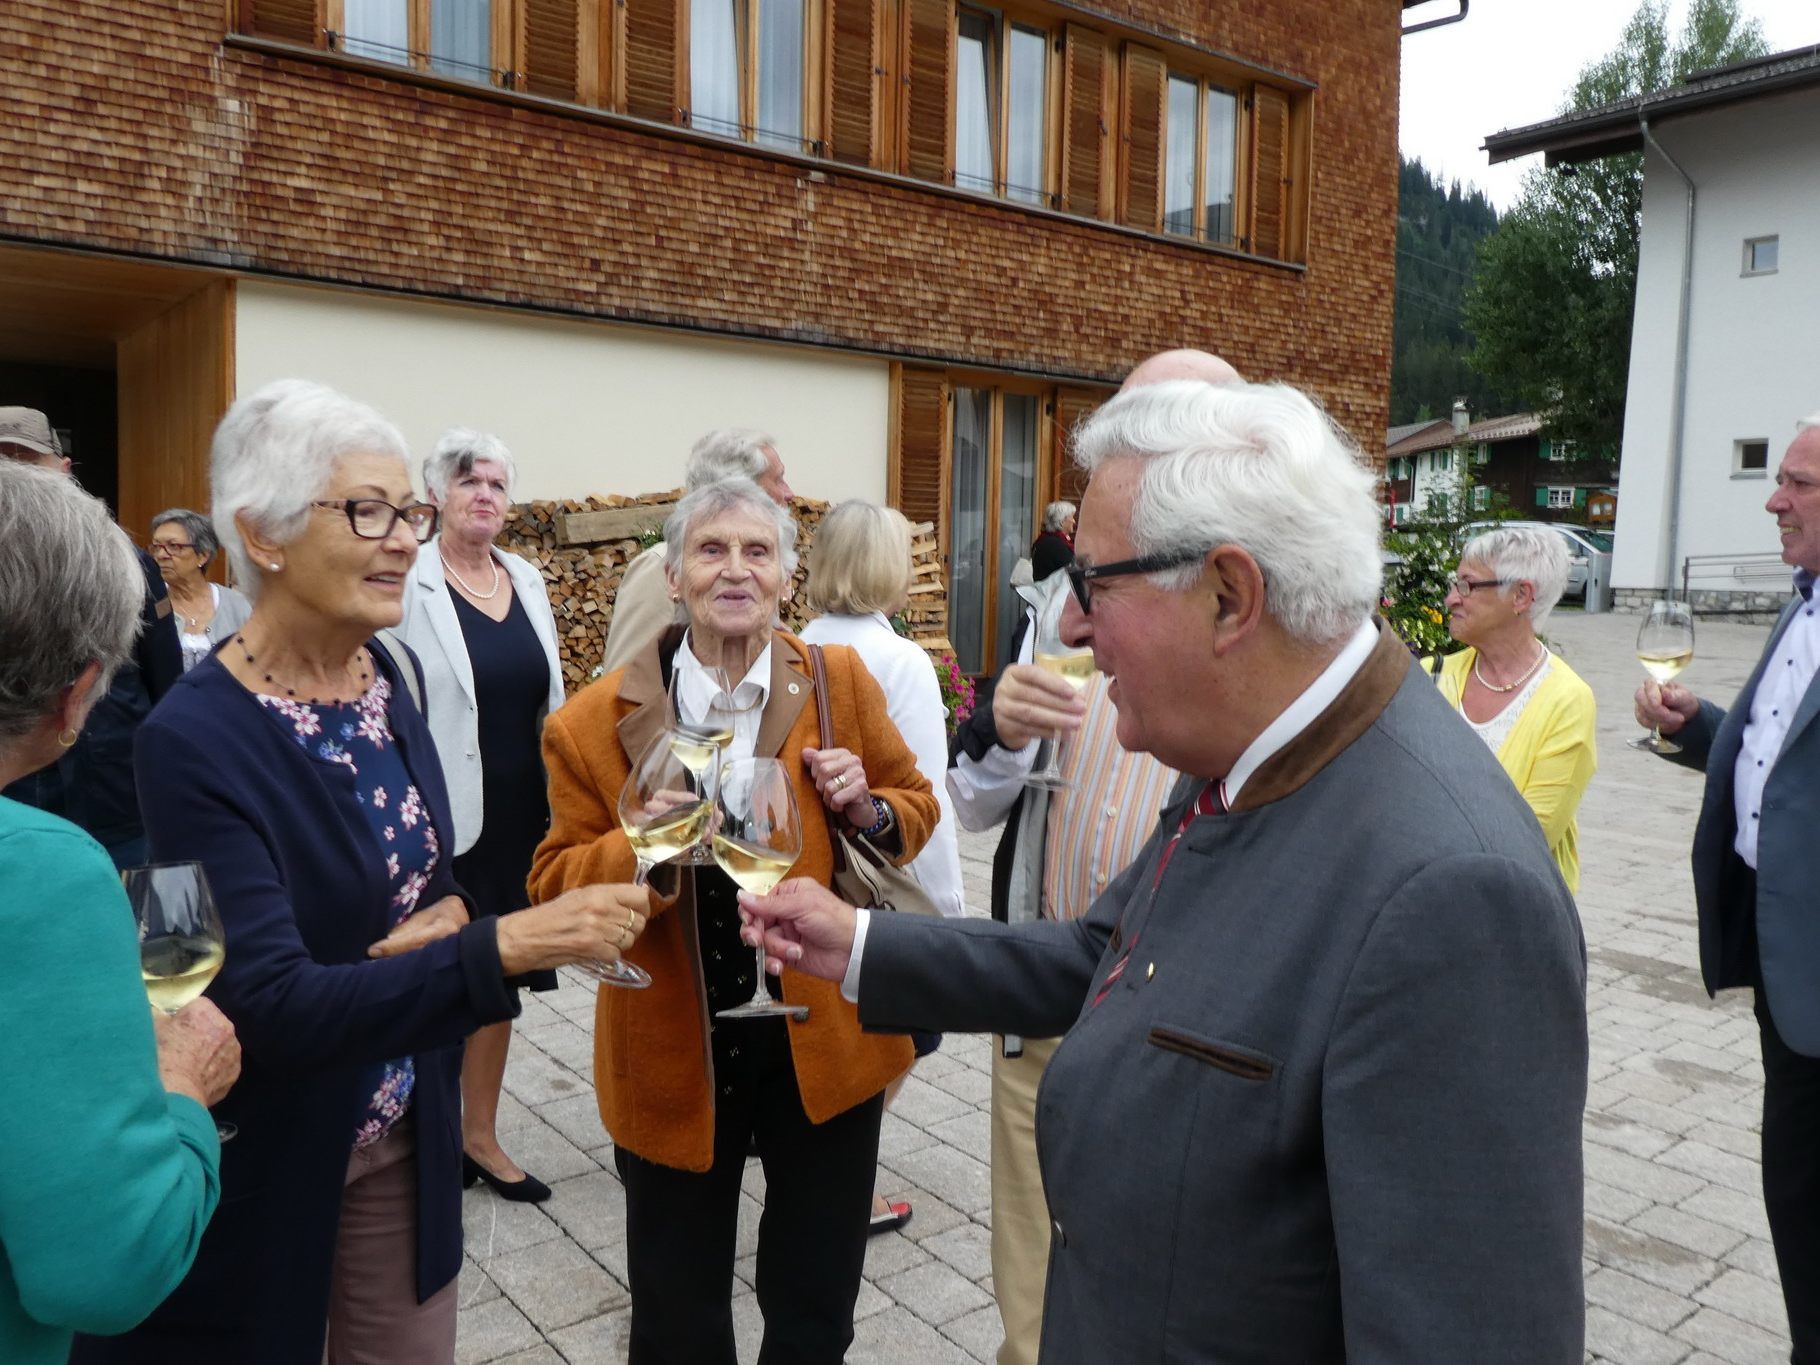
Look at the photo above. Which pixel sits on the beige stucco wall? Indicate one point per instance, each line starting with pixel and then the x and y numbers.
pixel 585 407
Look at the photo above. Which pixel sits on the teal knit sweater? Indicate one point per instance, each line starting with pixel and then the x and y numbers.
pixel 108 1180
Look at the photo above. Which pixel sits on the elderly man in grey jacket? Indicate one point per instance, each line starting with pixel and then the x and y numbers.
pixel 1320 1089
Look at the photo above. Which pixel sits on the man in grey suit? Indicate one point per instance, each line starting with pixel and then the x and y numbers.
pixel 1756 874
pixel 1320 1090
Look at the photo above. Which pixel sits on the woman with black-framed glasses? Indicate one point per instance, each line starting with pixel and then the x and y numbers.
pixel 297 767
pixel 183 545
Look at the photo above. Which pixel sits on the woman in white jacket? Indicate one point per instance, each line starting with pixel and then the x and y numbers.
pixel 859 577
pixel 480 622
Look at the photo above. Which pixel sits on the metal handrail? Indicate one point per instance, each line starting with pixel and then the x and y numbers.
pixel 1739 568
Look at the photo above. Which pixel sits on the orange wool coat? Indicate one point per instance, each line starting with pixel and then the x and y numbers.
pixel 653 1069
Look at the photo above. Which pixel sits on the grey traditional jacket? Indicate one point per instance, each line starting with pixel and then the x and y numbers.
pixel 1330 1109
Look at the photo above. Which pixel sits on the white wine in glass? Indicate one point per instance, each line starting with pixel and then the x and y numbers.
pixel 1074 667
pixel 181 941
pixel 757 840
pixel 664 809
pixel 1665 646
pixel 699 744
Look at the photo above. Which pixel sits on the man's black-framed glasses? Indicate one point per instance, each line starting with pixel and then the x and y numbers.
pixel 1080 576
pixel 374 518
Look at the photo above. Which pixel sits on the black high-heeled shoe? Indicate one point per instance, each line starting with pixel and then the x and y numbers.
pixel 529 1190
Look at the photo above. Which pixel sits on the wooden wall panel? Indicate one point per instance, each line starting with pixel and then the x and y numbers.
pixel 176 375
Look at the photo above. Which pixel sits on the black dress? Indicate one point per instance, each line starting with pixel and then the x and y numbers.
pixel 511 684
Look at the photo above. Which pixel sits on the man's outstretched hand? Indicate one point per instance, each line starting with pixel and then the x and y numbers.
pixel 805 926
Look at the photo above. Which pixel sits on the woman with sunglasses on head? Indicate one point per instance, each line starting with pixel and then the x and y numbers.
pixel 296 766
pixel 183 545
pixel 1534 712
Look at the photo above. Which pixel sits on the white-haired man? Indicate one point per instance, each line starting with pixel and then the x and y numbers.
pixel 1320 1088
pixel 1754 875
pixel 643 605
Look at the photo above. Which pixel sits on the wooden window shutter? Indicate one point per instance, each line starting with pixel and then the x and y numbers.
pixel 295 21
pixel 1072 407
pixel 917 482
pixel 1269 171
pixel 928 133
pixel 851 79
pixel 653 49
pixel 1146 83
pixel 549 45
pixel 1087 182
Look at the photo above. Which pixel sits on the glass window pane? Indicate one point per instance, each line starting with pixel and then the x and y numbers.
pixel 967 587
pixel 780 73
pixel 1763 253
pixel 1178 157
pixel 1016 508
pixel 1222 158
pixel 714 27
pixel 1028 115
pixel 461 37
pixel 377 28
pixel 975 70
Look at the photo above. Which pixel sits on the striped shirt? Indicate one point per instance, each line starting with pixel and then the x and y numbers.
pixel 1097 826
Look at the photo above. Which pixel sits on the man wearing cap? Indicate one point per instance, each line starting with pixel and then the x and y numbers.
pixel 93 784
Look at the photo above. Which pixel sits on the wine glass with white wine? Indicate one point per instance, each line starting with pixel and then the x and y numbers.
pixel 757 839
pixel 663 809
pixel 699 748
pixel 1074 667
pixel 1665 646
pixel 181 942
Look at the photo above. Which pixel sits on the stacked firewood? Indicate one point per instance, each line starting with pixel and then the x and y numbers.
pixel 582 547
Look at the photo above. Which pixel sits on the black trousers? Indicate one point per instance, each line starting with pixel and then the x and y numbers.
pixel 680 1225
pixel 1791 1180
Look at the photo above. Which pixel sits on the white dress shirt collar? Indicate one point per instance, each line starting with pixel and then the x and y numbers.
pixel 1301 713
pixel 699 701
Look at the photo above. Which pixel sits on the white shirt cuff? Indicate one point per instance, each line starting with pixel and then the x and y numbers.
pixel 849 983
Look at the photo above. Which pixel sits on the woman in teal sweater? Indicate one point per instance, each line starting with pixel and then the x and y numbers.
pixel 111 1157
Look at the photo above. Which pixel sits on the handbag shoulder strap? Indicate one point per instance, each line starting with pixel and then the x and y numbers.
pixel 824 705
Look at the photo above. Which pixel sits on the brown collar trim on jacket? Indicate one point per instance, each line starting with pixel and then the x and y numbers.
pixel 1347 717
pixel 642 688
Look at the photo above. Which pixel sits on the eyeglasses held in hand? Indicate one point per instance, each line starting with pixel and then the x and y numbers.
pixel 1081 576
pixel 374 518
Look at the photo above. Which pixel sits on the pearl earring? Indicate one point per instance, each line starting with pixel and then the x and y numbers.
pixel 274 568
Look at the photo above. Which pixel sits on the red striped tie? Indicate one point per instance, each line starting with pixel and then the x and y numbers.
pixel 1211 801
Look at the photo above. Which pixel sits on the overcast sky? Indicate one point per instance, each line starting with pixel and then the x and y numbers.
pixel 1512 62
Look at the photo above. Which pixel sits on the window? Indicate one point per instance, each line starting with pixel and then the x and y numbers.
pixel 746 69
pixel 992 519
pixel 1559 450
pixel 1481 454
pixel 1560 497
pixel 1760 254
pixel 1481 498
pixel 1200 161
pixel 1001 107
pixel 454 37
pixel 1750 457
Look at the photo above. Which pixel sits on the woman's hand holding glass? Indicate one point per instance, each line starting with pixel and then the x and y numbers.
pixel 198 1054
pixel 585 926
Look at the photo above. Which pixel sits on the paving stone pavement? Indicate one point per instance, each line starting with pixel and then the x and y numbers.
pixel 1678 1263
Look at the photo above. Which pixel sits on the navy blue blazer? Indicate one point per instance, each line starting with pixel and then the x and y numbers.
pixel 1788 859
pixel 301 886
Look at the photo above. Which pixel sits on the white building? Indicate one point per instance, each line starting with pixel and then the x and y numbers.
pixel 1725 346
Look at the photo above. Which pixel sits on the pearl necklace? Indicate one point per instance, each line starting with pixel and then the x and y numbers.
pixel 1541 654
pixel 478 596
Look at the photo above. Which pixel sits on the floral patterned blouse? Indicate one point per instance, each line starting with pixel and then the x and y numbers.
pixel 359 734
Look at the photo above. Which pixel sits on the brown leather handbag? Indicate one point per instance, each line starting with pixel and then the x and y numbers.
pixel 862 875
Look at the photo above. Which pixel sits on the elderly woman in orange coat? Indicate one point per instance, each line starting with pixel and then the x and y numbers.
pixel 685 1095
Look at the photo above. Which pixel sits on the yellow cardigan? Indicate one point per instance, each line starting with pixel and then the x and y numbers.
pixel 1549 753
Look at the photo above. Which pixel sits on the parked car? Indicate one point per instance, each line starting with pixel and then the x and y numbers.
pixel 1581 542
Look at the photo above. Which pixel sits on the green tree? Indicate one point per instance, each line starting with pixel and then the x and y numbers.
pixel 1550 306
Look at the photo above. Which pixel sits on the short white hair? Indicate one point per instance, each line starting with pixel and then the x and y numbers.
pixel 729 453
pixel 1524 554
pixel 1259 466
pixel 456 452
pixel 729 495
pixel 1056 515
pixel 71 592
pixel 273 455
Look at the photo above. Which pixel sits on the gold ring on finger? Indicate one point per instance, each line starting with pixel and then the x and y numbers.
pixel 840 782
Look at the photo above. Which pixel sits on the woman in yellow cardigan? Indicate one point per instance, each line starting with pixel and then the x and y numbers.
pixel 685 1094
pixel 1526 703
